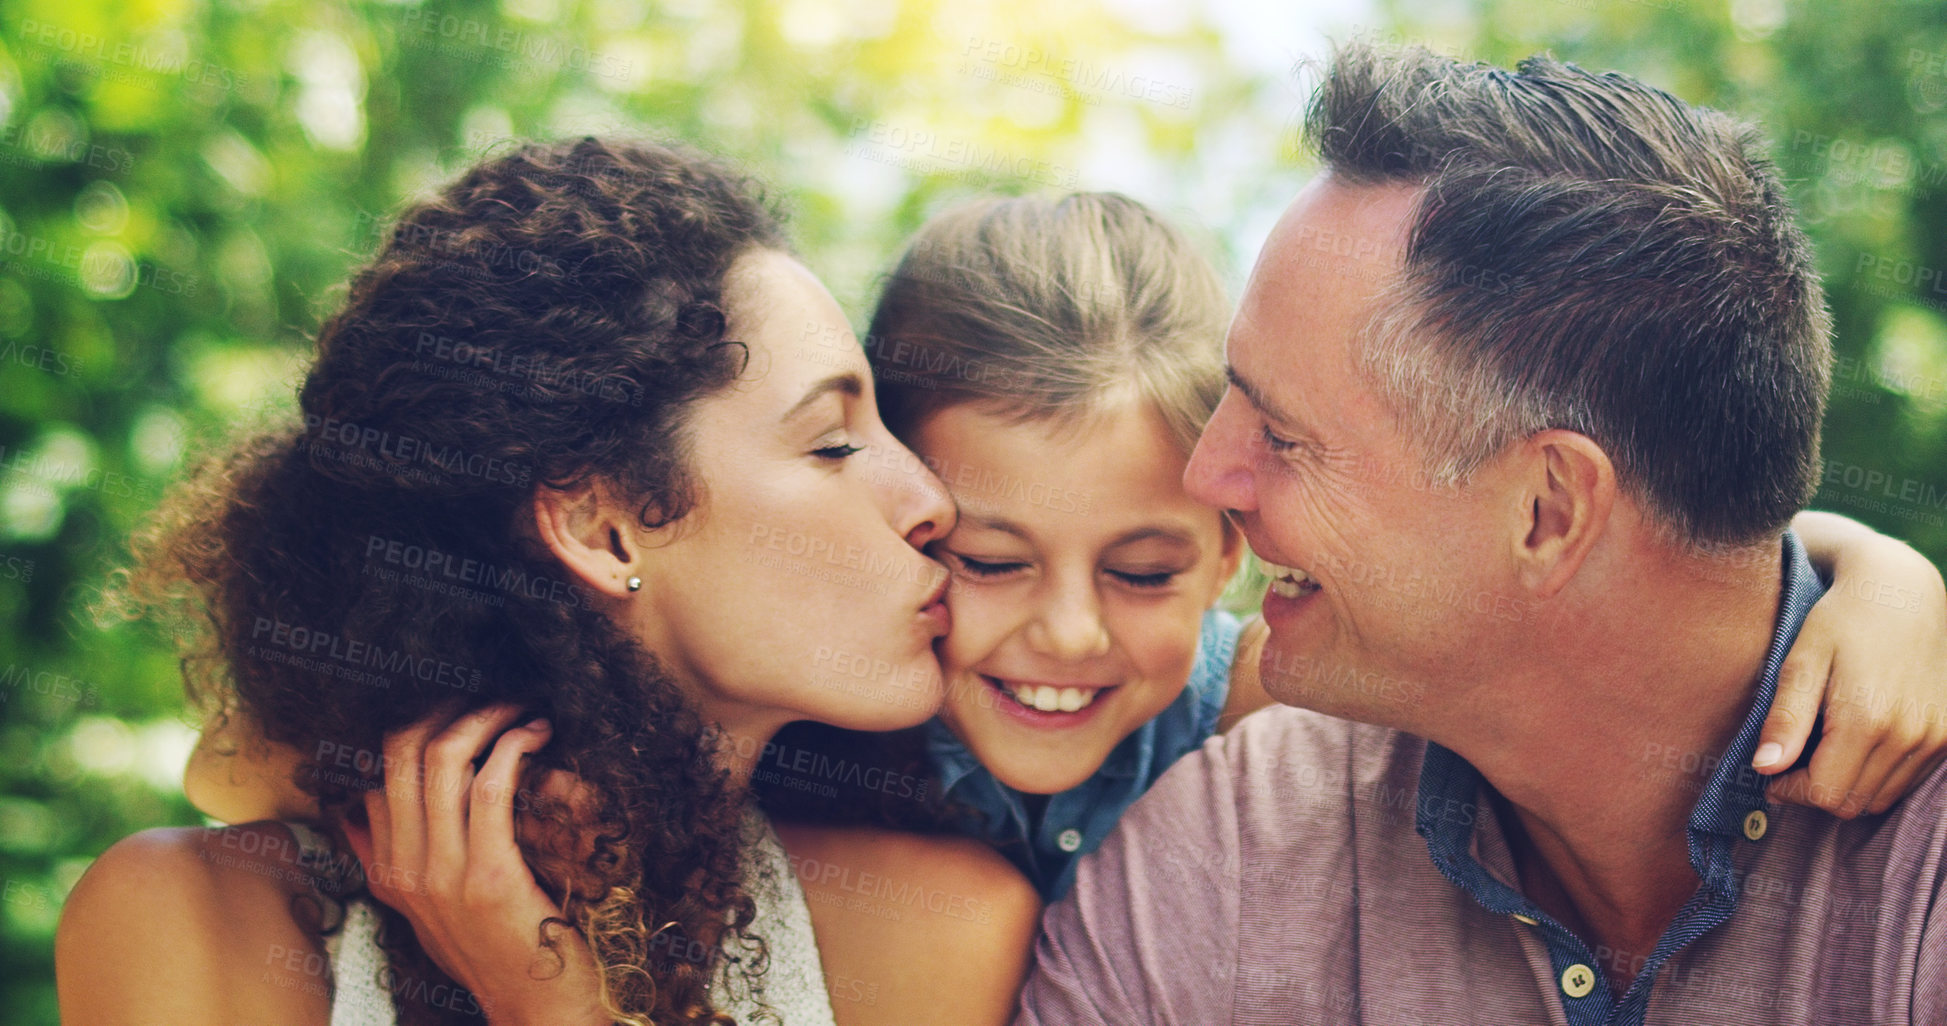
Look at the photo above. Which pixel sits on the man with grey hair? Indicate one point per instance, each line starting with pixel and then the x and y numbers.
pixel 1526 387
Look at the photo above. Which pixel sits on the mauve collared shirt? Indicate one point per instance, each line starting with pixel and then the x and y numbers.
pixel 1286 873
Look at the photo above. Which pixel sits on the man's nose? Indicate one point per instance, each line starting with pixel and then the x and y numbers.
pixel 1219 471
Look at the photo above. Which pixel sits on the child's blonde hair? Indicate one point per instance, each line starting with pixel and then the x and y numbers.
pixel 1049 309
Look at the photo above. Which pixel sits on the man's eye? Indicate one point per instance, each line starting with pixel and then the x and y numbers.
pixel 1274 443
pixel 837 452
pixel 983 568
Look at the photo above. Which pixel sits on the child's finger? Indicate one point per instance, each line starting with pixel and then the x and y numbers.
pixel 372 843
pixel 1916 745
pixel 1791 789
pixel 1838 761
pixel 450 776
pixel 1801 687
pixel 359 835
pixel 490 828
pixel 405 792
pixel 1878 771
pixel 1911 769
pixel 1918 734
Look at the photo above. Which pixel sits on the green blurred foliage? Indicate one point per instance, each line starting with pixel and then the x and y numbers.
pixel 184 186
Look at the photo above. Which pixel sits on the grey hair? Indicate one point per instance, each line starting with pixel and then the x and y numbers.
pixel 1593 254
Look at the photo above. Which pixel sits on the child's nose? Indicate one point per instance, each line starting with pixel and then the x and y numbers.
pixel 1069 627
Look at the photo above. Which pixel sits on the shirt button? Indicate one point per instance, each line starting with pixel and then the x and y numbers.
pixel 1070 839
pixel 1530 920
pixel 1578 980
pixel 1755 824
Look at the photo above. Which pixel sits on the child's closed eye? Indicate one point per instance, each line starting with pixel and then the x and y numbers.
pixel 982 568
pixel 1150 579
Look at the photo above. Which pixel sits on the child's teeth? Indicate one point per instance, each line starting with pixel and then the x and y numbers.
pixel 1048 698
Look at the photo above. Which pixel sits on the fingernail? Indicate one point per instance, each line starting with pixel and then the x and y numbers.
pixel 541 724
pixel 1768 754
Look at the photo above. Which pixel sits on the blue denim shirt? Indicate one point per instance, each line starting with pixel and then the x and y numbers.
pixel 1083 815
pixel 1732 803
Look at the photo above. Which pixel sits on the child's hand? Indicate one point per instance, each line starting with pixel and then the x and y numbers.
pixel 440 847
pixel 1875 650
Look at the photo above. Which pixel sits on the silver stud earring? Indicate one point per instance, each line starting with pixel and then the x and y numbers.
pixel 635 584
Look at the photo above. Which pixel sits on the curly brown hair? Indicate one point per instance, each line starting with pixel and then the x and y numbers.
pixel 546 320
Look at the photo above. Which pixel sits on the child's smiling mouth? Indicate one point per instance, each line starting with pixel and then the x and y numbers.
pixel 1049 698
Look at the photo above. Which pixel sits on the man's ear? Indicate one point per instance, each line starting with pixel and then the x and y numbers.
pixel 1567 492
pixel 594 537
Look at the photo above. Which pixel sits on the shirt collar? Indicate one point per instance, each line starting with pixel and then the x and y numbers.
pixel 1129 759
pixel 952 759
pixel 1446 813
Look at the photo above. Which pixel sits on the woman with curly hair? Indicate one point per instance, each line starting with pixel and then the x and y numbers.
pixel 571 494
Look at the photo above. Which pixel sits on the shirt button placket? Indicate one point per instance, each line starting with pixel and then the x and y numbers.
pixel 1069 840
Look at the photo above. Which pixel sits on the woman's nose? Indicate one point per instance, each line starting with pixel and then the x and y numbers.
pixel 921 508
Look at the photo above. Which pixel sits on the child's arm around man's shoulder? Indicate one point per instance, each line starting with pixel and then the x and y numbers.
pixel 1247 694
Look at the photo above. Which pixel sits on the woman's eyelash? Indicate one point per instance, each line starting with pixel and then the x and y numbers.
pixel 837 452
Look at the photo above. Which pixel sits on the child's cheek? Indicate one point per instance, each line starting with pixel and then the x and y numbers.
pixel 1163 651
pixel 979 624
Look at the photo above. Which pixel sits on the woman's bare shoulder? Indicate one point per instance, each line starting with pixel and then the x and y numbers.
pixel 193 925
pixel 914 928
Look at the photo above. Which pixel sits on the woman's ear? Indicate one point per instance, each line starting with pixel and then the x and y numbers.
pixel 592 535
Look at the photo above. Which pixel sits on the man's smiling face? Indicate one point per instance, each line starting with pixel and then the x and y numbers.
pixel 1378 589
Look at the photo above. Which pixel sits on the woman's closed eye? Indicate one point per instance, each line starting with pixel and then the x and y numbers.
pixel 837 452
